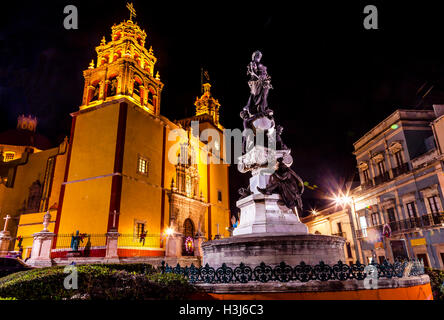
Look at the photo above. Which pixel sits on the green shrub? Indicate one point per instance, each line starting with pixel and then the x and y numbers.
pixel 130 267
pixel 436 282
pixel 96 282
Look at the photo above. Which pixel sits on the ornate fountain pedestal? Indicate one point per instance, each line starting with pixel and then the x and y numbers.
pixel 272 249
pixel 269 232
pixel 265 214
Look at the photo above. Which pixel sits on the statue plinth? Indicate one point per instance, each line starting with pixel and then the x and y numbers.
pixel 264 213
pixel 5 239
pixel 41 249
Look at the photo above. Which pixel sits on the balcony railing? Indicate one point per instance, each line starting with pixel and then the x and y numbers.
pixel 403 168
pixel 367 184
pixel 384 177
pixel 424 221
pixel 396 172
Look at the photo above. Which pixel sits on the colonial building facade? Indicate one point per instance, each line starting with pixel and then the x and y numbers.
pixel 115 172
pixel 334 221
pixel 397 210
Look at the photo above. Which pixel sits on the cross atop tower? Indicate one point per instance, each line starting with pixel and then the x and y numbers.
pixel 7 218
pixel 131 10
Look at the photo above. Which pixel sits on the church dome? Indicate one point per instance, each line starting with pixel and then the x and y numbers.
pixel 25 134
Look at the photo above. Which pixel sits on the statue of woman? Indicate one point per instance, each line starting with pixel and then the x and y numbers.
pixel 75 241
pixel 260 84
pixel 286 182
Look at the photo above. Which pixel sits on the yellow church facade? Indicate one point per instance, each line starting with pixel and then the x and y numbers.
pixel 125 168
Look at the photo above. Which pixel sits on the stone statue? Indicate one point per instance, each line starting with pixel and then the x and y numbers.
pixel 75 241
pixel 260 84
pixel 247 133
pixel 286 182
pixel 46 220
pixel 273 184
pixel 244 192
pixel 280 145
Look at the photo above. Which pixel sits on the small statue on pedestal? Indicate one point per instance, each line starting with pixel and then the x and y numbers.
pixel 75 241
pixel 46 220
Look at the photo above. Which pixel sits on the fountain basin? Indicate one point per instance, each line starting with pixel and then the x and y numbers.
pixel 273 248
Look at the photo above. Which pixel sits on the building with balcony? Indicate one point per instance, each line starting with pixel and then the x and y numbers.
pixel 334 221
pixel 397 210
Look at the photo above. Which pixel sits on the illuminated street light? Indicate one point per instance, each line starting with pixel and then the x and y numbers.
pixel 343 200
pixel 169 231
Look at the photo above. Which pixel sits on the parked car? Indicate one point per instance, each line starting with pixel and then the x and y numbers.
pixel 11 265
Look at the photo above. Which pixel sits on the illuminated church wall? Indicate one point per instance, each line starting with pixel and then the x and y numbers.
pixel 99 171
pixel 141 191
pixel 33 188
pixel 87 190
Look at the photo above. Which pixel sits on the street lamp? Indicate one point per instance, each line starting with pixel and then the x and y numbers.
pixel 347 200
pixel 169 231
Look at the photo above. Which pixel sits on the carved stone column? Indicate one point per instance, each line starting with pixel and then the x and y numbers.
pixel 198 252
pixel 173 246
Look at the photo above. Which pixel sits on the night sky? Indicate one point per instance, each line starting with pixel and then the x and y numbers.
pixel 333 80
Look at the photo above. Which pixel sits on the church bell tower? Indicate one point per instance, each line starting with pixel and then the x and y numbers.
pixel 124 68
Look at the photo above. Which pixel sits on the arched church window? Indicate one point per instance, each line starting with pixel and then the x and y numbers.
pixel 117 36
pixel 150 98
pixel 112 87
pixel 136 88
pixel 95 92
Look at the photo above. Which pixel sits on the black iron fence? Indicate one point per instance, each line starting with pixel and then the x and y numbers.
pixel 302 272
pixel 139 241
pixel 81 241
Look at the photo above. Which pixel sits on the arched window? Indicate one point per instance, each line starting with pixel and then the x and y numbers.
pixel 136 88
pixel 150 98
pixel 95 92
pixel 112 87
